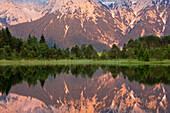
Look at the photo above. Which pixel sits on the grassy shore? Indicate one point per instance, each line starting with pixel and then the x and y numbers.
pixel 84 62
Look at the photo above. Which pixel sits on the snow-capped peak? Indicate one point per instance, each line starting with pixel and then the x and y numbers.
pixel 68 5
pixel 85 8
pixel 19 12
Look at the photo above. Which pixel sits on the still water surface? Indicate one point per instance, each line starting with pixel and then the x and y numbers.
pixel 90 88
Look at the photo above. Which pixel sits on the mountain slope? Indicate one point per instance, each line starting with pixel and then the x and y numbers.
pixel 101 23
pixel 154 22
pixel 12 13
pixel 140 17
pixel 73 23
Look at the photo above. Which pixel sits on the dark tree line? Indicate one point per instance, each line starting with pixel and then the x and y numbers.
pixel 143 48
pixel 17 48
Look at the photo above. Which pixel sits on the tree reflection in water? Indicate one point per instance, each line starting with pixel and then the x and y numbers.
pixel 13 75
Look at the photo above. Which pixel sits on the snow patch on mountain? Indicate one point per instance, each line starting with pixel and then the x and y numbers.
pixel 13 103
pixel 16 12
pixel 86 8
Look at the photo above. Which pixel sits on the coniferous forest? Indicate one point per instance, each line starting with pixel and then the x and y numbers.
pixel 143 49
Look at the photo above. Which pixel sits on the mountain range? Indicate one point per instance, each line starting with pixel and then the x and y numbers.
pixel 101 23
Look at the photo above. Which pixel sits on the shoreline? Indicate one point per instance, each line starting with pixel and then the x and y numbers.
pixel 84 62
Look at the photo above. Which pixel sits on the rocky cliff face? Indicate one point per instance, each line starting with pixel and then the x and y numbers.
pixel 101 23
pixel 140 17
pixel 73 22
pixel 12 13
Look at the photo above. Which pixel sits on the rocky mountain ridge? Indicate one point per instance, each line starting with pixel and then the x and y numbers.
pixel 12 13
pixel 140 17
pixel 101 23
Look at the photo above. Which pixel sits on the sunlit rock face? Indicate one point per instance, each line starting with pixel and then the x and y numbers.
pixel 99 22
pixel 101 93
pixel 71 22
pixel 12 13
pixel 140 17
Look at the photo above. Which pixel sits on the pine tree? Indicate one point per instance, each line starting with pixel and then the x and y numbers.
pixel 123 52
pixel 83 49
pixel 67 52
pixel 140 53
pixel 14 54
pixel 8 50
pixel 55 47
pixel 29 40
pixel 3 54
pixel 76 50
pixel 167 51
pixel 9 37
pixel 146 55
pixel 90 53
pixel 24 53
pixel 158 54
pixel 8 32
pixel 42 40
pixel 131 53
pixel 59 53
pixel 104 54
pixel 130 43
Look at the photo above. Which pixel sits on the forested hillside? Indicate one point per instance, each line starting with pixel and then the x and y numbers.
pixel 143 48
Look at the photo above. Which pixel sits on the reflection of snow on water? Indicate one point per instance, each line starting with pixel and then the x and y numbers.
pixel 66 88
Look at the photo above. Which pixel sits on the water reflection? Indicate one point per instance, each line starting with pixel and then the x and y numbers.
pixel 85 88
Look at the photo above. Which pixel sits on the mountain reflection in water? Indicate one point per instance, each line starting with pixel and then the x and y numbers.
pixel 84 88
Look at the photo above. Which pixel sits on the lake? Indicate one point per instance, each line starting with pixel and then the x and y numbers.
pixel 85 88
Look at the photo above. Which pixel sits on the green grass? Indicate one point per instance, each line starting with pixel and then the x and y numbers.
pixel 100 54
pixel 84 62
